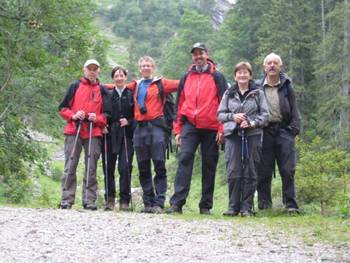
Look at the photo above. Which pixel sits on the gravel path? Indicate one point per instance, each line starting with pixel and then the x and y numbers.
pixel 50 235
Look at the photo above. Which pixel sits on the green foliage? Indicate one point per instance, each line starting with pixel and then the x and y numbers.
pixel 344 206
pixel 237 38
pixel 17 186
pixel 17 152
pixel 145 24
pixel 333 76
pixel 56 172
pixel 177 55
pixel 42 48
pixel 321 173
pixel 48 193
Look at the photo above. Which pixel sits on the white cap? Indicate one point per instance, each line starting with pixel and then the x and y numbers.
pixel 90 62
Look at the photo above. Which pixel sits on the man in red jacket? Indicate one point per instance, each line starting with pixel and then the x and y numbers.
pixel 82 108
pixel 150 136
pixel 198 98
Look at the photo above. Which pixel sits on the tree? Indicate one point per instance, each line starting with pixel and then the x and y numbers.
pixel 238 38
pixel 146 24
pixel 42 47
pixel 333 76
pixel 176 56
pixel 321 173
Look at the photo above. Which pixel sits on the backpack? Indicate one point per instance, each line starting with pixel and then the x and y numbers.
pixel 169 114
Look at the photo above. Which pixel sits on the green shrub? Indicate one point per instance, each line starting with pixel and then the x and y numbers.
pixel 344 206
pixel 17 155
pixel 321 174
pixel 17 187
pixel 56 172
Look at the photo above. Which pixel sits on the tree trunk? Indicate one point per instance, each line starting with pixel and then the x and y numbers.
pixel 344 112
pixel 323 23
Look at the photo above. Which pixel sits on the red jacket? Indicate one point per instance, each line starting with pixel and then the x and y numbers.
pixel 199 97
pixel 153 101
pixel 87 97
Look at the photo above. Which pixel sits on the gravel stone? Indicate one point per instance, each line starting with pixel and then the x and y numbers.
pixel 52 235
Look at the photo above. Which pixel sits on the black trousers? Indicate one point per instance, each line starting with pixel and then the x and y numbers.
pixel 191 137
pixel 242 155
pixel 124 158
pixel 150 144
pixel 278 146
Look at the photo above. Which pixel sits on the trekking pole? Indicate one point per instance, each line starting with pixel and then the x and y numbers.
pixel 242 148
pixel 71 156
pixel 88 161
pixel 247 158
pixel 127 164
pixel 106 162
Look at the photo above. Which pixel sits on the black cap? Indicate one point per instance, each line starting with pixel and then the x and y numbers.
pixel 199 45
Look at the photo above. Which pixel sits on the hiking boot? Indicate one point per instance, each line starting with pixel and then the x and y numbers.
pixel 91 207
pixel 65 206
pixel 293 211
pixel 124 207
pixel 174 210
pixel 246 214
pixel 147 210
pixel 157 210
pixel 110 204
pixel 264 205
pixel 204 211
pixel 230 213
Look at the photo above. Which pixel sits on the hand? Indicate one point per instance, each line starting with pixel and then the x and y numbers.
pixel 244 124
pixel 123 122
pixel 92 116
pixel 178 139
pixel 105 130
pixel 239 117
pixel 79 115
pixel 219 138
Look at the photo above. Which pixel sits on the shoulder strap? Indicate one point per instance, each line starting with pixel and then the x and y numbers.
pixel 69 95
pixel 216 78
pixel 220 83
pixel 180 89
pixel 286 90
pixel 160 89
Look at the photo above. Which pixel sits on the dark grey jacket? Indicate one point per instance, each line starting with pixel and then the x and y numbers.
pixel 288 106
pixel 254 106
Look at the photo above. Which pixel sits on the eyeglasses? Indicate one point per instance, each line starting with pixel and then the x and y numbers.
pixel 146 66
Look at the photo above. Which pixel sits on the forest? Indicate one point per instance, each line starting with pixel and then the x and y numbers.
pixel 43 45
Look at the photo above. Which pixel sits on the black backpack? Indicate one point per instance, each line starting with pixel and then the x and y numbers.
pixel 168 112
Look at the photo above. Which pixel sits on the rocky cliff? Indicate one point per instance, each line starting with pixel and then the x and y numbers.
pixel 220 10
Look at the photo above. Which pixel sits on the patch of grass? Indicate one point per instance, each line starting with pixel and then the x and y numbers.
pixel 311 229
pixel 49 196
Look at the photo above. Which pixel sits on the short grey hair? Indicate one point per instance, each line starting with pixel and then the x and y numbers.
pixel 273 55
pixel 148 59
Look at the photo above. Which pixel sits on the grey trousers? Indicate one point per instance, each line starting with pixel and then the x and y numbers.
pixel 242 159
pixel 69 180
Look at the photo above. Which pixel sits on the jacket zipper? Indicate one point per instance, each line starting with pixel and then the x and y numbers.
pixel 197 95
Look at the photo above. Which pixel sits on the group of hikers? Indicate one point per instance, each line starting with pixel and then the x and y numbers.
pixel 256 121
